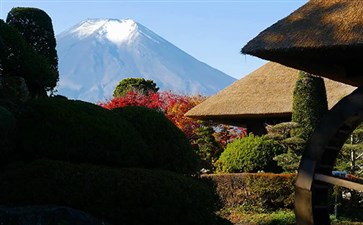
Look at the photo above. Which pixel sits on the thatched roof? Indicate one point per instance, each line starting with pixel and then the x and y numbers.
pixel 266 92
pixel 323 37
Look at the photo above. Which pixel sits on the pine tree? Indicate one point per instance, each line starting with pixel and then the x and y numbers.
pixel 208 149
pixel 309 106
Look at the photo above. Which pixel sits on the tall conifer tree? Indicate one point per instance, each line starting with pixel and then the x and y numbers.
pixel 36 28
pixel 309 104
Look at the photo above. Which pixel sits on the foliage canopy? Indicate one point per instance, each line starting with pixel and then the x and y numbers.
pixel 134 84
pixel 18 59
pixel 208 149
pixel 35 26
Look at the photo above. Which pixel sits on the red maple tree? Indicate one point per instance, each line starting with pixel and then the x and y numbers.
pixel 175 106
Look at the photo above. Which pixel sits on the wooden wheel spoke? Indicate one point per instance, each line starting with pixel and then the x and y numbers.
pixel 339 182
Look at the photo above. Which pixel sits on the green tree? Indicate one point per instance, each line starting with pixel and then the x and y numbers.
pixel 134 84
pixel 288 161
pixel 208 149
pixel 36 27
pixel 350 159
pixel 17 59
pixel 309 104
pixel 351 156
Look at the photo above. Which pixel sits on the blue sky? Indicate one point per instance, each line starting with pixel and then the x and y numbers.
pixel 211 31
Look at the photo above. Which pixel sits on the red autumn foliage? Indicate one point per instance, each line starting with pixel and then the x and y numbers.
pixel 134 98
pixel 227 134
pixel 175 106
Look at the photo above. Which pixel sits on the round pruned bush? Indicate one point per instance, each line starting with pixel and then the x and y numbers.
pixel 77 131
pixel 118 195
pixel 250 154
pixel 169 147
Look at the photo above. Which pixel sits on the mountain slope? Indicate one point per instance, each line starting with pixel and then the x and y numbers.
pixel 96 54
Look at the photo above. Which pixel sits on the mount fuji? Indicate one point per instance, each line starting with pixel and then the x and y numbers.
pixel 96 54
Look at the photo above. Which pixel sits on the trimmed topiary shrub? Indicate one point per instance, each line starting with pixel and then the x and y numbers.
pixel 309 104
pixel 120 196
pixel 36 28
pixel 77 131
pixel 7 126
pixel 168 145
pixel 250 154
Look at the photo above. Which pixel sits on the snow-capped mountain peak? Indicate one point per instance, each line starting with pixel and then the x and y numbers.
pixel 117 31
pixel 96 54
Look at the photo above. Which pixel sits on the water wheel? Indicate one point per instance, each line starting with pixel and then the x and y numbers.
pixel 315 173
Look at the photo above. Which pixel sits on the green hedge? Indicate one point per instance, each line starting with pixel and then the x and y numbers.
pixel 120 196
pixel 77 131
pixel 271 191
pixel 250 154
pixel 255 191
pixel 169 147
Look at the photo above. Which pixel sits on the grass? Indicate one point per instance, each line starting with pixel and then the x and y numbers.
pixel 284 217
pixel 241 216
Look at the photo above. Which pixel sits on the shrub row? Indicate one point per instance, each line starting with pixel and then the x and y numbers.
pixel 81 132
pixel 80 155
pixel 169 147
pixel 77 131
pixel 120 196
pixel 255 191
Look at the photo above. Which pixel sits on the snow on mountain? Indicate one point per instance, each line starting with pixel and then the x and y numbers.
pixel 96 54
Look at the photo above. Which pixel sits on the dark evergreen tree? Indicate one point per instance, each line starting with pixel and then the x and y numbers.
pixel 288 161
pixel 309 104
pixel 13 51
pixel 17 59
pixel 135 84
pixel 208 149
pixel 36 27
